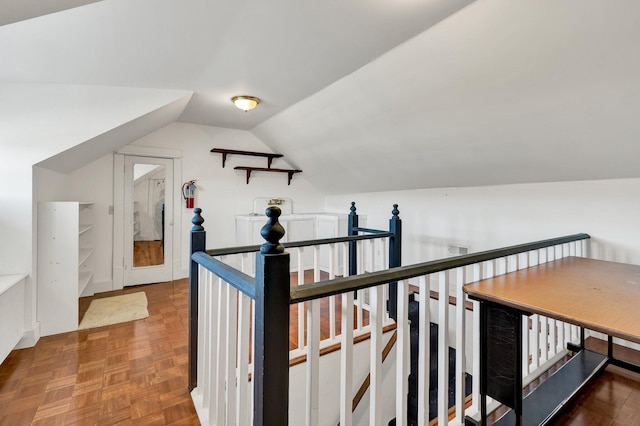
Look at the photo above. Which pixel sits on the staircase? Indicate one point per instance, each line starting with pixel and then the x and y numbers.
pixel 412 416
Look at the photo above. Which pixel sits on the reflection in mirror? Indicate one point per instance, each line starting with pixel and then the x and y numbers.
pixel 148 215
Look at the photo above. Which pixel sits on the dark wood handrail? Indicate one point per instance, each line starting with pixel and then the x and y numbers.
pixel 238 279
pixel 307 292
pixel 305 243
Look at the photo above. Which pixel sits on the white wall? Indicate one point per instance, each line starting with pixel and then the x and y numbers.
pixel 222 193
pixel 495 216
pixel 329 386
pixel 480 217
pixel 94 183
pixel 47 186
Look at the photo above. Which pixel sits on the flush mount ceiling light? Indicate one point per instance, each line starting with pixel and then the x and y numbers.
pixel 245 103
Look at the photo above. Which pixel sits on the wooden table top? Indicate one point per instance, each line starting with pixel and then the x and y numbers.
pixel 598 295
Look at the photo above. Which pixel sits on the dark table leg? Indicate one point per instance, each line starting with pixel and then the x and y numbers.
pixel 500 357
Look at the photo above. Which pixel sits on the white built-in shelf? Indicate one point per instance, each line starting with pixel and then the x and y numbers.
pixel 84 278
pixel 84 255
pixel 65 262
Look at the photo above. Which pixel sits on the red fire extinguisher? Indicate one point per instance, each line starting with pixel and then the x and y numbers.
pixel 188 193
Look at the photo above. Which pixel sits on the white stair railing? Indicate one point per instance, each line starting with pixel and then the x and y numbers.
pixel 223 395
pixel 224 392
pixel 545 341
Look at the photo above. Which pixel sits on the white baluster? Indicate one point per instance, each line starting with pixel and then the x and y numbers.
pixel 332 261
pixel 360 293
pixel 402 354
pixel 316 263
pixel 385 254
pixel 313 361
pixel 424 326
pixel 218 408
pixel 245 265
pixel 231 353
pixel 523 261
pixel 542 254
pixel 553 345
pixel 252 351
pixel 371 244
pixel 242 414
pixel 360 311
pixel 375 317
pixel 525 345
pixel 204 331
pixel 544 337
pixel 345 260
pixel 535 339
pixel 502 265
pixel 332 299
pixel 487 269
pixel 475 371
pixel 213 359
pixel 301 306
pixel 443 348
pixel 346 360
pixel 459 279
pixel 560 338
pixel 534 257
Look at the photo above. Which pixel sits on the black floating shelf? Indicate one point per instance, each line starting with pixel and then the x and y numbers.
pixel 225 152
pixel 290 172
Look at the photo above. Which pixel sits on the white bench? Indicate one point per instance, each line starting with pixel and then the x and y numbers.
pixel 11 312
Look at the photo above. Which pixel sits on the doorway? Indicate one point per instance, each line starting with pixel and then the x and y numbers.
pixel 148 220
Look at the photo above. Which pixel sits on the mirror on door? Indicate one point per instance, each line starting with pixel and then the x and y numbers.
pixel 148 214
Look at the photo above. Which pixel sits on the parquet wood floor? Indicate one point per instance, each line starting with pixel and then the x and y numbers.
pixel 147 253
pixel 613 398
pixel 136 374
pixel 324 313
pixel 133 373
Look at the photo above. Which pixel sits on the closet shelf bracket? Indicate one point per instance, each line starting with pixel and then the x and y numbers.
pixel 225 152
pixel 289 172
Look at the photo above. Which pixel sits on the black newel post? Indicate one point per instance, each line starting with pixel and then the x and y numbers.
pixel 198 238
pixel 352 225
pixel 271 365
pixel 395 259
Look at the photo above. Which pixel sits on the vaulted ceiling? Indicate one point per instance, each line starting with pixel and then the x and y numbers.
pixel 368 95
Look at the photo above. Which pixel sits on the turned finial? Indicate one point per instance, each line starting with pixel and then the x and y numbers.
pixel 395 212
pixel 272 232
pixel 353 207
pixel 197 220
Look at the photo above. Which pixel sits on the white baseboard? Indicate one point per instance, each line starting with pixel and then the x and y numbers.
pixel 184 273
pixel 29 337
pixel 101 287
pixel 604 337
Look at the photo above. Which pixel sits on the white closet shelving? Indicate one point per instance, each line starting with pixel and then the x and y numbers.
pixel 65 264
pixel 136 222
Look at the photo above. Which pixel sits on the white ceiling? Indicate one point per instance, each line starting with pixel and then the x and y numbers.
pixel 370 95
pixel 281 51
pixel 20 10
pixel 502 92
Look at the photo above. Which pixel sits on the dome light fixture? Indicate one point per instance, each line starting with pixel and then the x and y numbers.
pixel 245 103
